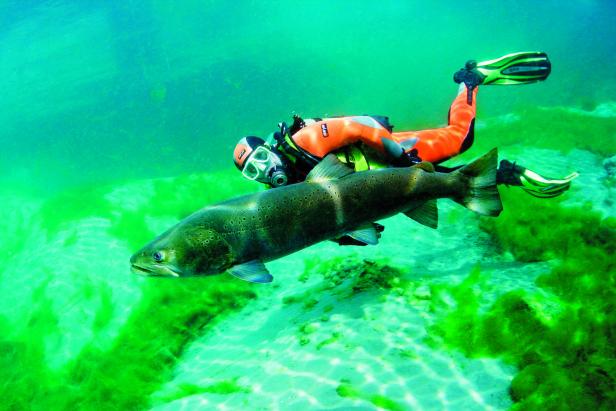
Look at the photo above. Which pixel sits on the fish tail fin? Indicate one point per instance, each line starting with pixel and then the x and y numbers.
pixel 481 193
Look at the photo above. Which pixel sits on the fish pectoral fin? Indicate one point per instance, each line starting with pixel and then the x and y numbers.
pixel 253 271
pixel 426 214
pixel 367 234
pixel 330 168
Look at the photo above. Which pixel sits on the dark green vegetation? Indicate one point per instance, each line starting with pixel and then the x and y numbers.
pixel 350 279
pixel 124 372
pixel 342 278
pixel 346 390
pixel 345 277
pixel 143 355
pixel 564 346
pixel 138 362
pixel 224 387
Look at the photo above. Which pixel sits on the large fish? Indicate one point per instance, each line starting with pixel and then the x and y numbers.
pixel 241 234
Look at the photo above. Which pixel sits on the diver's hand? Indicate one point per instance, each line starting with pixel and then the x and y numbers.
pixel 407 159
pixel 298 124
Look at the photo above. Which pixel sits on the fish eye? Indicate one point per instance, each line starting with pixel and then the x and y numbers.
pixel 157 256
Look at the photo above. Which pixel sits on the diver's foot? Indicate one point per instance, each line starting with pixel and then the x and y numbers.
pixel 515 68
pixel 511 174
pixel 470 76
pixel 407 159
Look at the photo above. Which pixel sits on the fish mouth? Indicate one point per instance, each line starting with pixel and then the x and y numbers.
pixel 156 271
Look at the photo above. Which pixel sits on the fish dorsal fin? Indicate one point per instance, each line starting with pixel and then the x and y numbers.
pixel 425 166
pixel 329 168
pixel 253 271
pixel 365 234
pixel 426 214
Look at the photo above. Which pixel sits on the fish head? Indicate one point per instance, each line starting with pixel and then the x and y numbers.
pixel 183 252
pixel 158 258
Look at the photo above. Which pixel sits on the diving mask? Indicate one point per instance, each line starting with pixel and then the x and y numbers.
pixel 266 167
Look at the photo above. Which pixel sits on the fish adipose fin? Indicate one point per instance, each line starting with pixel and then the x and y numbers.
pixel 330 168
pixel 252 271
pixel 426 214
pixel 482 194
pixel 425 166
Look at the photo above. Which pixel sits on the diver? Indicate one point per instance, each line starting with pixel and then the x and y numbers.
pixel 366 142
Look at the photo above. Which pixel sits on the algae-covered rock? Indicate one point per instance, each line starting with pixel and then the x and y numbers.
pixel 345 277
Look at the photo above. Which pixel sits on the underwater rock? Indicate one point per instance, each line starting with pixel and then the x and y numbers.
pixel 610 166
pixel 605 110
pixel 423 293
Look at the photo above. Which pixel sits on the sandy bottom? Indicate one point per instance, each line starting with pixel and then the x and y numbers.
pixel 357 353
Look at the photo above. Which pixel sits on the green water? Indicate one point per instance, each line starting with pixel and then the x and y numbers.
pixel 119 119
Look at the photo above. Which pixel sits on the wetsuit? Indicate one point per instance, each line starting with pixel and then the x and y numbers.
pixel 323 136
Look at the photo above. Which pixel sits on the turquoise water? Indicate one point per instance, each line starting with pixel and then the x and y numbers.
pixel 120 118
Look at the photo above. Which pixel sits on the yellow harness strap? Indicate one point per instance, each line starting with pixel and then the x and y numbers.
pixel 359 159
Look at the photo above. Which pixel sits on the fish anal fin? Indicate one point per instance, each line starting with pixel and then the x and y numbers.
pixel 426 214
pixel 329 168
pixel 366 234
pixel 253 271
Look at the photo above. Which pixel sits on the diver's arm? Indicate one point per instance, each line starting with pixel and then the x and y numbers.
pixel 325 136
pixel 439 144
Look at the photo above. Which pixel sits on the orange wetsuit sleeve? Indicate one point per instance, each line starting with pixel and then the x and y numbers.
pixel 323 137
pixel 439 144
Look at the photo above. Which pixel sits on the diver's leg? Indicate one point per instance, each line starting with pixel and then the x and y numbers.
pixel 439 144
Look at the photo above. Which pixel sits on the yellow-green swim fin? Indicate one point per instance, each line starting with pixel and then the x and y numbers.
pixel 515 68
